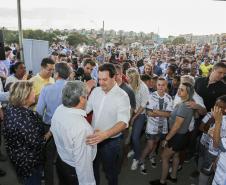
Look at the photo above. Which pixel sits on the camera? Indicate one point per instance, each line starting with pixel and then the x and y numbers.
pixel 80 75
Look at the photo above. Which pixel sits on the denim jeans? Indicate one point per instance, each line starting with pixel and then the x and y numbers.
pixel 137 129
pixel 35 178
pixel 108 152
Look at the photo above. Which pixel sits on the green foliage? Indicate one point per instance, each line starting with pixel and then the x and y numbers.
pixel 75 38
pixel 54 36
pixel 179 40
pixel 10 36
pixel 39 35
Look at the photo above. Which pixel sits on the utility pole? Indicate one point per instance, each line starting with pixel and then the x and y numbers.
pixel 158 35
pixel 103 37
pixel 20 31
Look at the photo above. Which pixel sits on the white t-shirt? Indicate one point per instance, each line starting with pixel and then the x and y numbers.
pixel 141 96
pixel 11 79
pixel 157 125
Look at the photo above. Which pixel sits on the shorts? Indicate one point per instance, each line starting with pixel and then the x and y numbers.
pixel 178 142
pixel 155 137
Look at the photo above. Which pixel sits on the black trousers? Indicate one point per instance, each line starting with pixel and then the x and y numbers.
pixel 50 154
pixel 66 173
pixel 0 135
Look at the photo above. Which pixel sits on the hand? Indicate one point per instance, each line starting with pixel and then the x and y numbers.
pixel 210 131
pixel 47 136
pixel 217 114
pixel 132 120
pixel 96 138
pixel 192 104
pixel 25 77
pixel 152 114
pixel 156 113
pixel 164 143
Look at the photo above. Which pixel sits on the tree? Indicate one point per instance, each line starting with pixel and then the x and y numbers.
pixel 76 39
pixel 73 38
pixel 10 36
pixel 39 35
pixel 179 40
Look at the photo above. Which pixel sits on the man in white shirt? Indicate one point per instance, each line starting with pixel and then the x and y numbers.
pixel 111 114
pixel 70 130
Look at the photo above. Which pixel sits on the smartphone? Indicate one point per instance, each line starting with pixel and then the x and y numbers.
pixel 30 72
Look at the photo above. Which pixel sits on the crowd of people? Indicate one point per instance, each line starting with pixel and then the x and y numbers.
pixel 86 104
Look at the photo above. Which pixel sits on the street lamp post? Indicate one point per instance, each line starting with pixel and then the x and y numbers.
pixel 20 31
pixel 103 37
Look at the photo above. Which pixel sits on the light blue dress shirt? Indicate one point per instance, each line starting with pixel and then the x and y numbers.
pixel 49 99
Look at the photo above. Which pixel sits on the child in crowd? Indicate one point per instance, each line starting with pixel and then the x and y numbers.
pixel 158 110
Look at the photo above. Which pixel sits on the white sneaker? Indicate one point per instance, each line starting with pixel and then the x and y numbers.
pixel 130 154
pixel 143 170
pixel 134 164
pixel 170 169
pixel 153 162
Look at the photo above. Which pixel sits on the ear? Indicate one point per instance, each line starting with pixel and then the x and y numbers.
pixel 81 99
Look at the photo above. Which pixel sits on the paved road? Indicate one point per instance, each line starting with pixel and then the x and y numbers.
pixel 127 177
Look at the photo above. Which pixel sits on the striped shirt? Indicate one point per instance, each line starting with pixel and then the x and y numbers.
pixel 220 177
pixel 157 125
pixel 212 149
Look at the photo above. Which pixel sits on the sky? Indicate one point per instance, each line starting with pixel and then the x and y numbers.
pixel 165 17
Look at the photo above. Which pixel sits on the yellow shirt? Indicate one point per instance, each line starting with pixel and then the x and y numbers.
pixel 205 69
pixel 39 83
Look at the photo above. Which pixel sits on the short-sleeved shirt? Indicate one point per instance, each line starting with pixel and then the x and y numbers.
pixel 130 93
pixel 157 125
pixel 11 79
pixel 205 69
pixel 198 99
pixel 39 83
pixel 181 110
pixel 212 149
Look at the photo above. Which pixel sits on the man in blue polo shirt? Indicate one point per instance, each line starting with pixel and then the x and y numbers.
pixel 50 98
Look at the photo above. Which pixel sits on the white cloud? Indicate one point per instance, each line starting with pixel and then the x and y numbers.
pixel 172 17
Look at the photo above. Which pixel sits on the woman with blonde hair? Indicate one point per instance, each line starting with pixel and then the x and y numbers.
pixel 177 138
pixel 148 69
pixel 24 133
pixel 138 119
